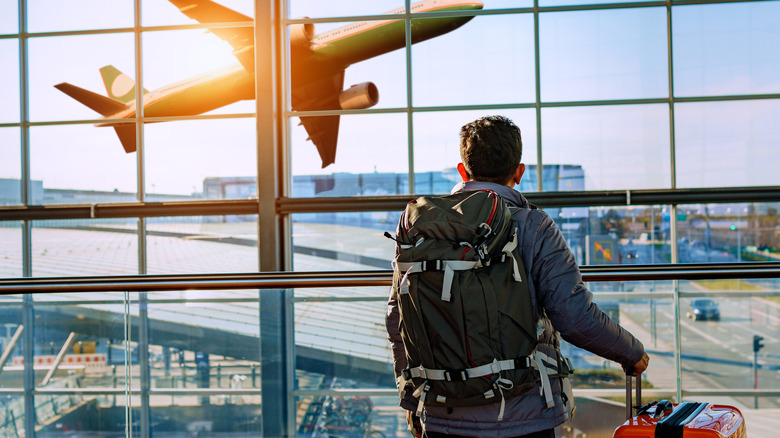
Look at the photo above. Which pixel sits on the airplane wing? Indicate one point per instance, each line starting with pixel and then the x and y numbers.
pixel 323 130
pixel 240 38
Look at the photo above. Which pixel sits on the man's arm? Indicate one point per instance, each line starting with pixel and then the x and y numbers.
pixel 568 303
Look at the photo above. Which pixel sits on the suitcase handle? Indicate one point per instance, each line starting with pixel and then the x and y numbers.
pixel 629 402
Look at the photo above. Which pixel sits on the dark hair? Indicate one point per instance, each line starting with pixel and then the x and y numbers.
pixel 491 149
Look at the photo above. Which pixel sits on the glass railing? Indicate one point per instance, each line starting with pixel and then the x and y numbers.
pixel 305 353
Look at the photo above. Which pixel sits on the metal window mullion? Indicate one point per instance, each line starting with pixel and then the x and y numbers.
pixel 28 316
pixel 538 105
pixel 143 317
pixel 673 212
pixel 267 50
pixel 670 62
pixel 284 155
pixel 143 364
pixel 409 101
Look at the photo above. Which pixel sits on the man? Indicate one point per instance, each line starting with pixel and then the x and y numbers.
pixel 491 150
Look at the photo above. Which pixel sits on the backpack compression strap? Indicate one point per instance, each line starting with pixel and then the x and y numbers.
pixel 448 266
pixel 543 363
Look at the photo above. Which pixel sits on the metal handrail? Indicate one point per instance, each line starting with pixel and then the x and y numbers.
pixel 286 280
pixel 286 205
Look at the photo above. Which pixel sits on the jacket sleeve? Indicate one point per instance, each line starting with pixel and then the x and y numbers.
pixel 569 304
pixel 392 321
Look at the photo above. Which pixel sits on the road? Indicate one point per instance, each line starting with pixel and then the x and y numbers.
pixel 717 354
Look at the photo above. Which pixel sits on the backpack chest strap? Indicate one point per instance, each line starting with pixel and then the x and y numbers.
pixel 448 266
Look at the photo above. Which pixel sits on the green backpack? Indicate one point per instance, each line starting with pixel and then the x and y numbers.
pixel 466 315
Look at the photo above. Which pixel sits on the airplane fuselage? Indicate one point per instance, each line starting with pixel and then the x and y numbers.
pixel 331 53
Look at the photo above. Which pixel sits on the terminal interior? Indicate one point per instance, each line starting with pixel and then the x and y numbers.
pixel 228 276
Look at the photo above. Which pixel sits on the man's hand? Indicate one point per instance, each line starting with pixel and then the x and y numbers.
pixel 640 366
pixel 414 424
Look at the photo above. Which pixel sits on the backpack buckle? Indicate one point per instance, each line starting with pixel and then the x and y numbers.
pixel 522 363
pixel 431 265
pixel 406 373
pixel 456 375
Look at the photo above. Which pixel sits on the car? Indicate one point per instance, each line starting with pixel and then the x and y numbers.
pixel 703 309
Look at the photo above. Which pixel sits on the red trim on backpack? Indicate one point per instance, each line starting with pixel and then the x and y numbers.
pixel 495 206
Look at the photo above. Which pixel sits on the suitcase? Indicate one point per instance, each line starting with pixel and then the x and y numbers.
pixel 663 419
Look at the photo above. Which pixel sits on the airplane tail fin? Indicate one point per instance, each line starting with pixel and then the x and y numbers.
pixel 105 106
pixel 118 85
pixel 126 133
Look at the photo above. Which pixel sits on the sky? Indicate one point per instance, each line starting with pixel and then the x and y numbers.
pixel 597 55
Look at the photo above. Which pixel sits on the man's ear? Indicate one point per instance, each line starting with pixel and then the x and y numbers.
pixel 518 174
pixel 462 171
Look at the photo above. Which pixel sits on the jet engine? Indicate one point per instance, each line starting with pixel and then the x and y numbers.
pixel 301 35
pixel 359 96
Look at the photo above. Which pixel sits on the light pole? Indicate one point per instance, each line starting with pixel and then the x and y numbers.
pixel 757 345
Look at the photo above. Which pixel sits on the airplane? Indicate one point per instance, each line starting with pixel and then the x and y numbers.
pixel 317 65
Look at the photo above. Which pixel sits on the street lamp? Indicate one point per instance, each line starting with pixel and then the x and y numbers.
pixel 757 345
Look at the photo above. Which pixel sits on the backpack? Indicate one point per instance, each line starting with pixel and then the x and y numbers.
pixel 466 316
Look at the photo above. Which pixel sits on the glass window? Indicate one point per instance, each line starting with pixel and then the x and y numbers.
pixel 9 17
pixel 48 16
pixel 344 338
pixel 615 235
pixel 727 144
pixel 12 324
pixel 76 60
pixel 343 241
pixel 374 416
pixel 728 233
pixel 201 244
pixel 599 55
pixel 726 49
pixel 183 159
pixel 342 8
pixel 616 147
pixel 80 164
pixel 577 2
pixel 79 247
pixel 437 146
pixel 718 337
pixel 10 167
pixel 192 72
pixel 11 250
pixel 369 54
pixel 489 60
pixel 366 144
pixel 165 13
pixel 90 334
pixel 9 81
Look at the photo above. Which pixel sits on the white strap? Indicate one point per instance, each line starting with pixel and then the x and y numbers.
pixel 546 387
pixel 503 405
pixel 569 407
pixel 449 266
pixel 420 393
pixel 508 248
pixel 549 362
pixel 484 370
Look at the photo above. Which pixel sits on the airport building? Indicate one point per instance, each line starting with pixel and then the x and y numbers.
pixel 207 258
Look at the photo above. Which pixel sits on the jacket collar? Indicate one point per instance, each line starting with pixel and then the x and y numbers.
pixel 509 194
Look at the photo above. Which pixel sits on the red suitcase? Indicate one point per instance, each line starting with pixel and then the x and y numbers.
pixel 686 420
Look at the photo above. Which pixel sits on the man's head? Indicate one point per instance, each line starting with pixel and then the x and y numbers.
pixel 490 150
